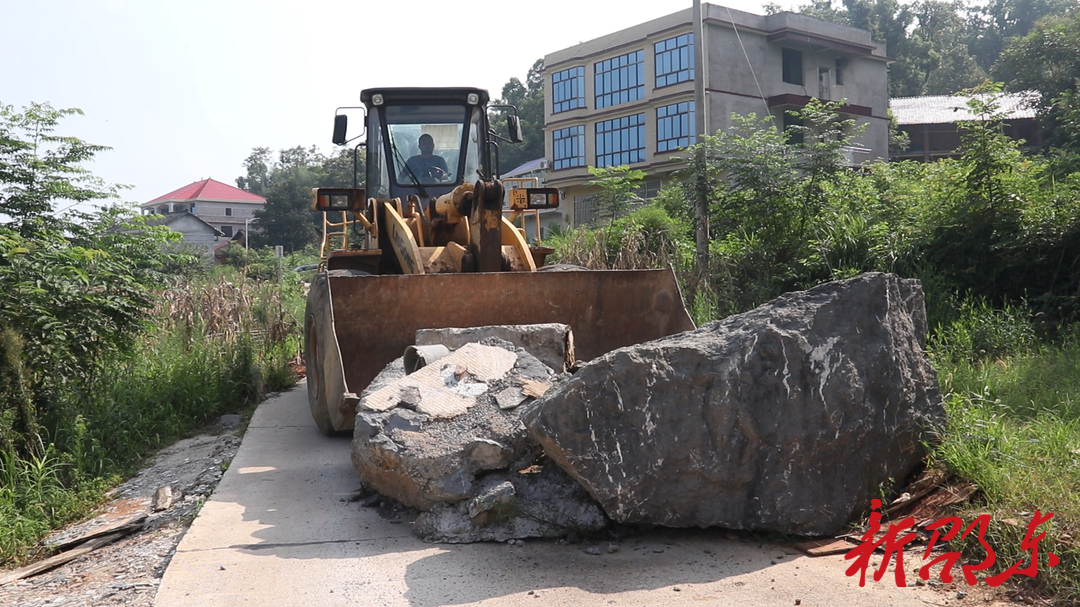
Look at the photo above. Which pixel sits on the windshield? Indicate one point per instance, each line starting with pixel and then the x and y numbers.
pixel 425 143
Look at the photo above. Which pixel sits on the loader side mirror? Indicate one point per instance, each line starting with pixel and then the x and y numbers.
pixel 534 198
pixel 513 125
pixel 341 127
pixel 337 199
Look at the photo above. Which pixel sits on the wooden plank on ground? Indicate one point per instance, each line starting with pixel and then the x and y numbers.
pixel 123 526
pixel 825 547
pixel 59 559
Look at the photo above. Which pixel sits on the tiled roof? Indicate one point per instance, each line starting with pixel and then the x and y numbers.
pixel 207 189
pixel 943 109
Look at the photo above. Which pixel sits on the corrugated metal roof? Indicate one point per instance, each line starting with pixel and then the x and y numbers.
pixel 529 167
pixel 943 109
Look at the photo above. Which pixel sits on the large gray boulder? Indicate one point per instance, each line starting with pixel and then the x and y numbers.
pixel 788 418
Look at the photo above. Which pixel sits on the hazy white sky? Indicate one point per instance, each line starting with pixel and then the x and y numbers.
pixel 183 90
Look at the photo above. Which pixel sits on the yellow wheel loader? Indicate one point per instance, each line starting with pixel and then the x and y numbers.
pixel 427 245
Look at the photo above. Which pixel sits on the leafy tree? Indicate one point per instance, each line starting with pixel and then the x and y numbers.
pixel 528 98
pixel 940 46
pixel 947 65
pixel 820 156
pixel 286 184
pixel 75 307
pixel 899 141
pixel 889 21
pixel 75 292
pixel 258 165
pixel 993 24
pixel 771 185
pixel 821 9
pixel 977 226
pixel 760 174
pixel 618 190
pixel 1047 61
pixel 39 168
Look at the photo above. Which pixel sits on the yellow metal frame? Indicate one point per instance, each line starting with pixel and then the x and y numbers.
pixel 335 231
pixel 523 182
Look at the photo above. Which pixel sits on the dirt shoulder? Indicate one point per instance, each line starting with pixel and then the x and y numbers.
pixel 127 571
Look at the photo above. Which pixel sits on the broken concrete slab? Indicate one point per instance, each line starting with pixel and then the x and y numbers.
pixel 422 455
pixel 542 502
pixel 787 418
pixel 552 343
pixel 446 389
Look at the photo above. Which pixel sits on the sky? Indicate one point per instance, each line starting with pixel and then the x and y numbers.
pixel 182 90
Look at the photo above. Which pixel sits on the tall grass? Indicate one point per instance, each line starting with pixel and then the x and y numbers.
pixel 37 495
pixel 216 347
pixel 1014 429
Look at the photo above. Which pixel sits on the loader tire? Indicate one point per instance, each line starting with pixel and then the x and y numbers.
pixel 318 306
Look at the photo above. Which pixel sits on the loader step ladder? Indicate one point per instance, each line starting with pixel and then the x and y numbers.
pixel 335 234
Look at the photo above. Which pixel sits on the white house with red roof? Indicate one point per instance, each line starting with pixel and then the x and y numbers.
pixel 228 209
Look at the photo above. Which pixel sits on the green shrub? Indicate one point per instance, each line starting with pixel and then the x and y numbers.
pixel 984 333
pixel 217 348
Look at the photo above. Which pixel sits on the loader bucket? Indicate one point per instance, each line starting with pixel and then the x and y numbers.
pixel 357 324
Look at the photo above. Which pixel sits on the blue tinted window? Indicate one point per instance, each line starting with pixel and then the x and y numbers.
pixel 620 141
pixel 568 90
pixel 568 147
pixel 674 60
pixel 675 126
pixel 619 79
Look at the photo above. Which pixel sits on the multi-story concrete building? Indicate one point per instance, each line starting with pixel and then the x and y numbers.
pixel 632 97
pixel 226 208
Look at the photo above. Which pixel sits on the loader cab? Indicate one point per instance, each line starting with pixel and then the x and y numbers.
pixel 425 141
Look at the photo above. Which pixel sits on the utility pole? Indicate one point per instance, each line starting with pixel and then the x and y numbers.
pixel 701 202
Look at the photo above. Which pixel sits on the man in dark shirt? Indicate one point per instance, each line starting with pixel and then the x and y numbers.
pixel 426 165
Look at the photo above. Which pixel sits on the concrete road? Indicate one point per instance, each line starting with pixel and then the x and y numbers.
pixel 279 532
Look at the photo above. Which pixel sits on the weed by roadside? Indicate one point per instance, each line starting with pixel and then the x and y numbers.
pixel 1014 430
pixel 216 347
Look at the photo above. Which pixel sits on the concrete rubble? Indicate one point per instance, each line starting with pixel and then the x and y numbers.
pixel 552 343
pixel 787 418
pixel 543 502
pixel 428 437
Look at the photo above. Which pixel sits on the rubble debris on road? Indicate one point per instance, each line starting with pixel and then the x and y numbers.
pixel 551 343
pixel 422 441
pixel 543 502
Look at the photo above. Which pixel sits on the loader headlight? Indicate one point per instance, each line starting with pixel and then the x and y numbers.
pixel 376 99
pixel 473 99
pixel 337 199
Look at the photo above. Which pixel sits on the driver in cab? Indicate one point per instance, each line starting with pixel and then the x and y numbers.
pixel 426 165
